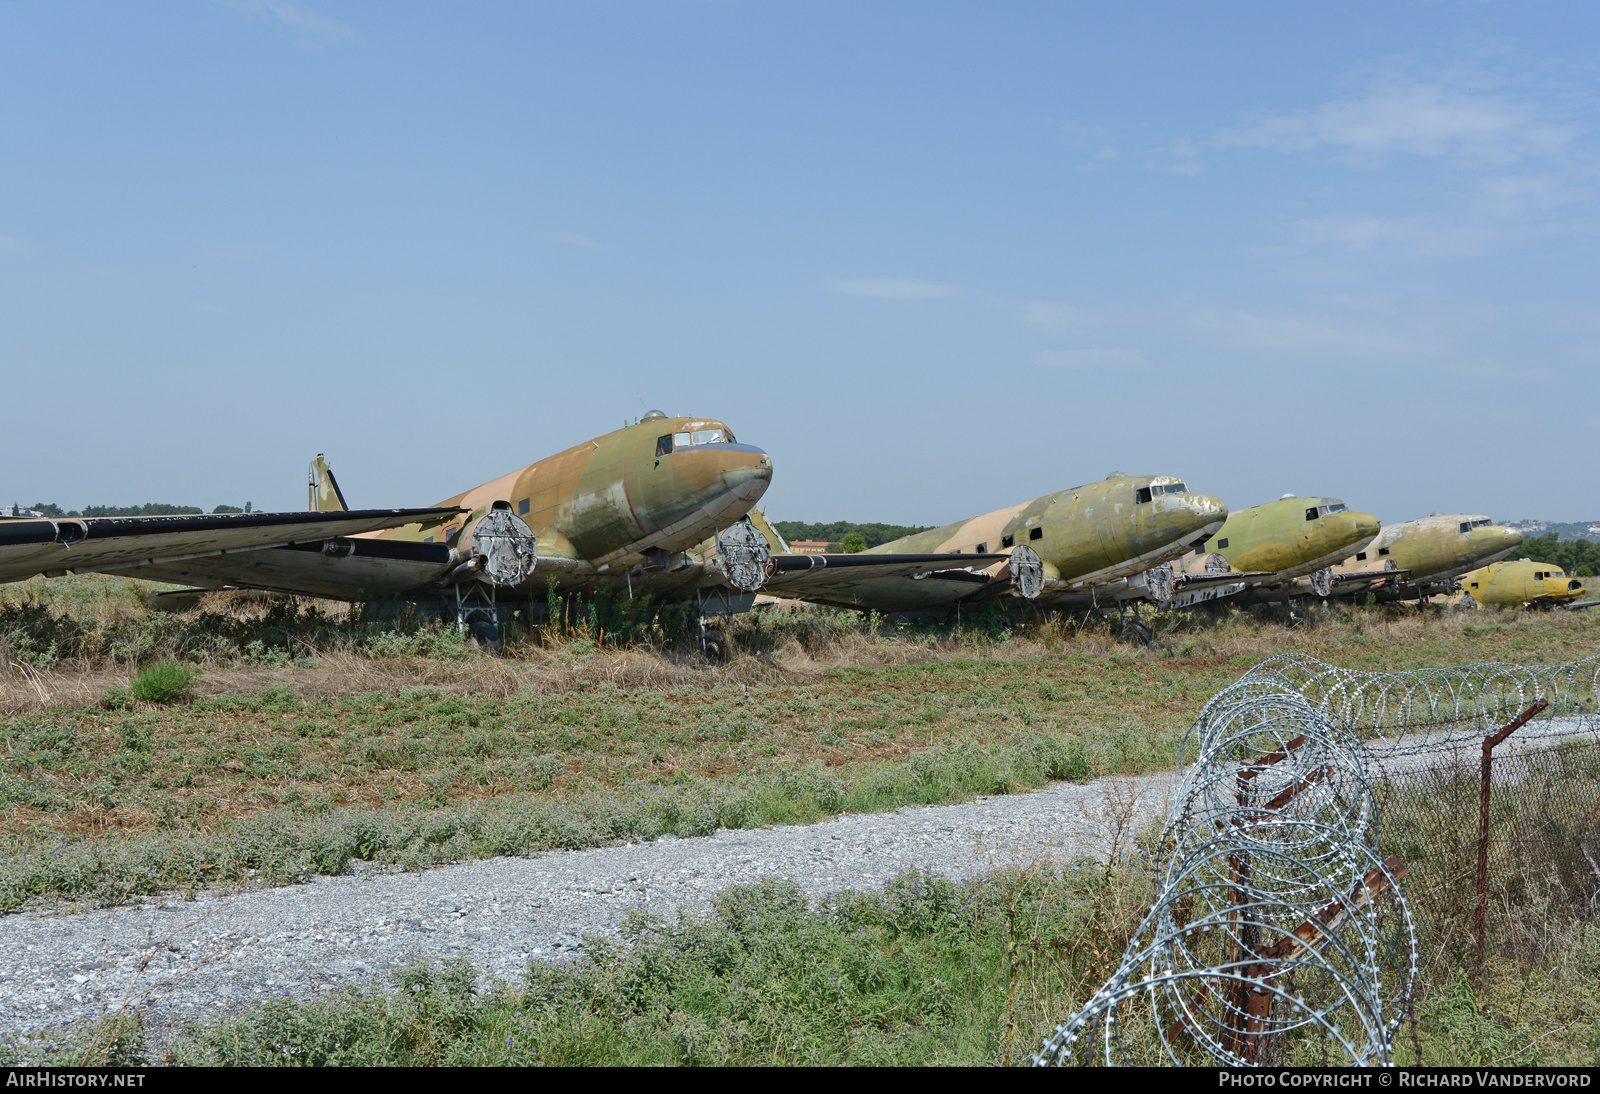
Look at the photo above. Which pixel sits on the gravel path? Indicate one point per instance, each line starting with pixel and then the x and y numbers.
pixel 219 953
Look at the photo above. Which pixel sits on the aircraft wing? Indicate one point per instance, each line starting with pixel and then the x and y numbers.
pixel 865 580
pixel 155 547
pixel 1192 589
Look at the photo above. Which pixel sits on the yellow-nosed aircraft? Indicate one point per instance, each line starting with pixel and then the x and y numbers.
pixel 1514 584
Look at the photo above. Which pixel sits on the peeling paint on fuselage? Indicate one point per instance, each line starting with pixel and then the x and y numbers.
pixel 1084 534
pixel 1279 539
pixel 610 498
pixel 1435 548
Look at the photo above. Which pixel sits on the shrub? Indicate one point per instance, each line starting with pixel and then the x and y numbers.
pixel 163 682
pixel 115 698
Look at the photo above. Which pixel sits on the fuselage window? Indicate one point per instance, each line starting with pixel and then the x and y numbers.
pixel 664 445
pixel 522 506
pixel 1361 556
pixel 1008 541
pixel 1312 514
pixel 1383 550
pixel 1035 533
pixel 1142 495
pixel 981 549
pixel 1222 545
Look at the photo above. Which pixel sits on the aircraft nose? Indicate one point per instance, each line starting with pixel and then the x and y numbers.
pixel 1204 505
pixel 1366 524
pixel 747 473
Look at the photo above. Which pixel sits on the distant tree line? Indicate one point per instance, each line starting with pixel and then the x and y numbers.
pixel 843 535
pixel 1576 557
pixel 148 509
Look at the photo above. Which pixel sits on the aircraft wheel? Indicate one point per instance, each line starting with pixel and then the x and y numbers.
pixel 1137 632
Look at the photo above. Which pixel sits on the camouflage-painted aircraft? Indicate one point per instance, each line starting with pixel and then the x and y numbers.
pixel 1098 544
pixel 1514 584
pixel 1274 551
pixel 146 547
pixel 1421 558
pixel 626 510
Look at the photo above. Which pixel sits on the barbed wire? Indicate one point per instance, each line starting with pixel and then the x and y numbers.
pixel 1279 932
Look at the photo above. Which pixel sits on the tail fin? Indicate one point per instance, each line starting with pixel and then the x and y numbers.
pixel 324 495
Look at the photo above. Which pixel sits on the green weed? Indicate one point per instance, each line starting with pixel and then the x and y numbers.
pixel 163 682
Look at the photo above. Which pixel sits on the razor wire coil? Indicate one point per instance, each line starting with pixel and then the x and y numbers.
pixel 1279 926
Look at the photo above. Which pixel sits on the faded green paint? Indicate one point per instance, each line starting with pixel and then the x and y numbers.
pixel 611 498
pixel 1435 548
pixel 1088 535
pixel 1280 537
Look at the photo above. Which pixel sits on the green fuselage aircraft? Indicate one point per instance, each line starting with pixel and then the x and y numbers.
pixel 1423 557
pixel 1092 544
pixel 1268 547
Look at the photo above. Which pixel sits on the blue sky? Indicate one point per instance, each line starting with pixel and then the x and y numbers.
pixel 934 258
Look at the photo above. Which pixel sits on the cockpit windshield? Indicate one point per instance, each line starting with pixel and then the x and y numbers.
pixel 1170 488
pixel 702 436
pixel 1332 507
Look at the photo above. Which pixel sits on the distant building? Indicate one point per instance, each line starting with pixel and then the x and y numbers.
pixel 809 546
pixel 15 510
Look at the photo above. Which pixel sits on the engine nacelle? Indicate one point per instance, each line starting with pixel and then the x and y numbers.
pixel 1322 582
pixel 1159 582
pixel 506 544
pixel 1027 572
pixel 746 556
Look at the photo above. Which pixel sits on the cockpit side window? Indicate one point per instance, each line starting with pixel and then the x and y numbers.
pixel 1312 514
pixel 681 440
pixel 664 445
pixel 1466 526
pixel 1141 495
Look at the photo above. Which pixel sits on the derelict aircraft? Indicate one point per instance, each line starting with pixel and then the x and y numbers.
pixel 1096 545
pixel 623 510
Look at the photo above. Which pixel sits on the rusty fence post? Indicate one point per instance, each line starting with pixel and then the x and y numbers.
pixel 1481 912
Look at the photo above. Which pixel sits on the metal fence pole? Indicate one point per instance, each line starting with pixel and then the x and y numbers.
pixel 1481 912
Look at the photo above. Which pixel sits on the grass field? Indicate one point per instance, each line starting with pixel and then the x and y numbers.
pixel 419 748
pixel 925 971
pixel 322 742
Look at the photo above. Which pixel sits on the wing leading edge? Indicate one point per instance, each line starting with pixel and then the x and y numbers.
pixel 150 547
